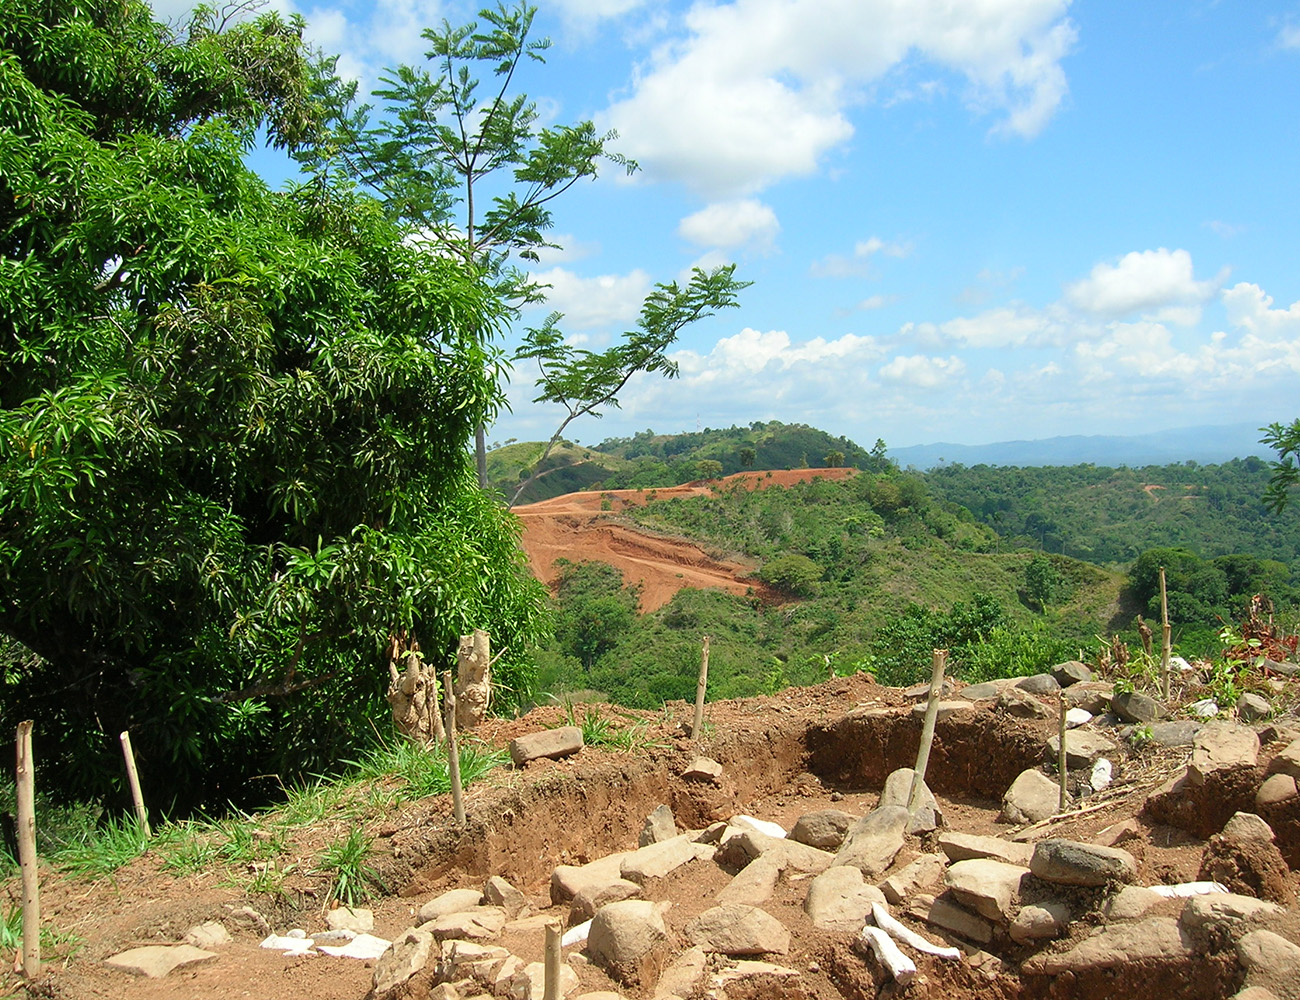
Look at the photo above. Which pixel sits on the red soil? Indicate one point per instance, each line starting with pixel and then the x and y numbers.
pixel 574 527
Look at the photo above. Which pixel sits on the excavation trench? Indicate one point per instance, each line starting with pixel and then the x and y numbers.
pixel 782 760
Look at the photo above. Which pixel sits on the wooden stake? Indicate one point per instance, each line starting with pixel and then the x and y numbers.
pixel 1164 634
pixel 453 749
pixel 1060 756
pixel 927 729
pixel 551 956
pixel 25 776
pixel 133 777
pixel 697 725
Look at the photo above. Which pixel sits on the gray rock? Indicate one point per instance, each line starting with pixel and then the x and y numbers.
pixel 1286 669
pixel 210 934
pixel 1134 706
pixel 1040 922
pixel 921 692
pixel 1222 746
pixel 569 880
pixel 659 826
pixel 1153 939
pixel 898 788
pixel 589 900
pixel 629 940
pixel 1033 796
pixel 990 888
pixel 946 710
pixel 1092 696
pixel 466 960
pixel 347 918
pixel 839 900
pixel 1020 703
pixel 658 860
pixel 983 692
pixel 919 873
pixel 1071 672
pixel 738 930
pixel 755 883
pixel 549 743
pixel 703 769
pixel 1082 748
pixel 824 829
pixel 498 892
pixel 945 912
pixel 408 955
pixel 1277 788
pixel 968 846
pixel 1271 962
pixel 684 975
pixel 746 845
pixel 1131 903
pixel 1068 862
pixel 1176 733
pixel 529 982
pixel 1226 913
pixel 1244 827
pixel 452 901
pixel 1039 684
pixel 874 840
pixel 482 923
pixel 1287 760
pixel 1252 707
pixel 157 960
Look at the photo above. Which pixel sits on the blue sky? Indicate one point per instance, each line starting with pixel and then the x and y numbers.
pixel 965 220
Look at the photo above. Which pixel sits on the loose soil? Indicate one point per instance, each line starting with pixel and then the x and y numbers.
pixel 828 746
pixel 591 526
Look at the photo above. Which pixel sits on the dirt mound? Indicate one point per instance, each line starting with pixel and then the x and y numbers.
pixel 590 527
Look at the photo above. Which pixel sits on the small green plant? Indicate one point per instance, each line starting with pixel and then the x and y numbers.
pixel 104 849
pixel 54 942
pixel 267 879
pixel 187 850
pixel 1140 736
pixel 352 878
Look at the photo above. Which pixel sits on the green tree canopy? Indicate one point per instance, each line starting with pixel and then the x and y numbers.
pixel 233 422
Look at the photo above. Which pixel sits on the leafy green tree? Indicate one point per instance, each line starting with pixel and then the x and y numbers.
pixel 596 610
pixel 792 573
pixel 233 423
pixel 1285 440
pixel 584 382
pixel 709 468
pixel 747 457
pixel 463 163
pixel 1041 581
pixel 834 459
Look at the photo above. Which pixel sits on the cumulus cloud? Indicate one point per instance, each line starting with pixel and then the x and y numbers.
pixel 1141 281
pixel 857 264
pixel 745 222
pixel 757 90
pixel 922 371
pixel 1288 37
pixel 594 303
pixel 1251 309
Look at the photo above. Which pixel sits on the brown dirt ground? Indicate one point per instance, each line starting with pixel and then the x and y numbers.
pixel 808 748
pixel 574 527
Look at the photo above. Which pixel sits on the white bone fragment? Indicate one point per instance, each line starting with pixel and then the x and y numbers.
pixel 908 936
pixel 902 968
pixel 1184 889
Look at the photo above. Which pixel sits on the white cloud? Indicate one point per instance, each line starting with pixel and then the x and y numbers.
pixel 583 16
pixel 1015 325
pixel 758 90
pixel 857 264
pixel 921 371
pixel 1251 309
pixel 1140 281
pixel 875 302
pixel 1289 36
pixel 744 222
pixel 594 303
pixel 568 249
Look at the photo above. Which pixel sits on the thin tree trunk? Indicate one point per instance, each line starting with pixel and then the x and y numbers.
pixel 25 776
pixel 473 679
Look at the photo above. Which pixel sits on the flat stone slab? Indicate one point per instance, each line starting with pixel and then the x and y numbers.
pixel 1271 962
pixel 1153 939
pixel 1226 911
pixel 897 791
pixel 1287 761
pixel 1134 706
pixel 946 913
pixel 755 883
pixel 703 769
pixel 1092 696
pixel 1040 921
pixel 752 844
pixel 408 955
pixel 1039 684
pixel 946 710
pixel 824 829
pixel 1033 796
pixel 482 923
pixel 550 744
pixel 1071 672
pixel 658 860
pixel 451 901
pixel 919 873
pixel 1177 733
pixel 1082 748
pixel 734 929
pixel 569 880
pixel 968 846
pixel 1276 788
pixel 157 960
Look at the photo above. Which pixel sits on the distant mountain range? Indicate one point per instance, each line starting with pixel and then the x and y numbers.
pixel 1201 444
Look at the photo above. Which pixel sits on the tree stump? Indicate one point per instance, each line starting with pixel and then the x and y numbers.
pixel 473 679
pixel 413 692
